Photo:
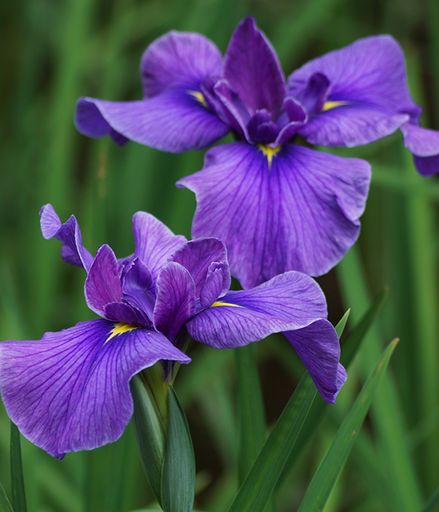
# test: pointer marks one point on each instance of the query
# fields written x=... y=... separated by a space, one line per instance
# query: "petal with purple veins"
x=289 y=208
x=70 y=391
x=288 y=301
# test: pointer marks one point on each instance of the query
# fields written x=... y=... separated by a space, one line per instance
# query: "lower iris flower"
x=69 y=391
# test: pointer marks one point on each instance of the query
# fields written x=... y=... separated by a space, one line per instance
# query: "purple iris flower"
x=69 y=391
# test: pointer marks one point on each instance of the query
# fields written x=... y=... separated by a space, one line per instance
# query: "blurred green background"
x=54 y=51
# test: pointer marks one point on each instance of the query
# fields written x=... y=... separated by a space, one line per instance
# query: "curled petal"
x=68 y=234
x=175 y=302
x=424 y=145
x=179 y=59
x=279 y=209
x=197 y=255
x=103 y=285
x=216 y=284
x=253 y=70
x=318 y=347
x=154 y=243
x=288 y=301
x=70 y=391
x=173 y=121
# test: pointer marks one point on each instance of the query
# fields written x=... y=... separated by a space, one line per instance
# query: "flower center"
x=269 y=152
x=199 y=96
x=329 y=105
x=120 y=328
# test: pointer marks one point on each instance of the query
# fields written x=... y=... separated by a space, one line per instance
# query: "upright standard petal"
x=70 y=390
x=318 y=347
x=69 y=234
x=288 y=301
x=103 y=285
x=253 y=70
x=154 y=243
x=175 y=302
x=198 y=255
x=174 y=121
x=424 y=145
x=179 y=59
x=279 y=209
x=366 y=96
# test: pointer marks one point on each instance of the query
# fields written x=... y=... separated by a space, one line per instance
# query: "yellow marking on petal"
x=120 y=328
x=269 y=152
x=221 y=303
x=199 y=96
x=329 y=105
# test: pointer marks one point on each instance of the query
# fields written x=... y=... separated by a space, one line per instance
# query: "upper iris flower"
x=69 y=391
x=277 y=206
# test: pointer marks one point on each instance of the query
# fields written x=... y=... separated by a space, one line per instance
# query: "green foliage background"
x=54 y=51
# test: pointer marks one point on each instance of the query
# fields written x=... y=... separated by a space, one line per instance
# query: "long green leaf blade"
x=5 y=504
x=17 y=480
x=178 y=483
x=262 y=479
x=326 y=475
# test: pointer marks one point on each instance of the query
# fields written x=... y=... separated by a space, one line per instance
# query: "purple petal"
x=288 y=301
x=175 y=302
x=173 y=121
x=154 y=242
x=318 y=347
x=70 y=390
x=253 y=70
x=179 y=59
x=232 y=109
x=69 y=234
x=370 y=76
x=301 y=212
x=138 y=287
x=424 y=145
x=103 y=285
x=197 y=255
x=427 y=165
x=216 y=284
x=125 y=313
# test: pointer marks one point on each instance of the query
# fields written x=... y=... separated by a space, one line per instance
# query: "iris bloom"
x=69 y=391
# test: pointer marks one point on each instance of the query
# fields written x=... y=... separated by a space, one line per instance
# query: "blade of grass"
x=386 y=410
x=261 y=481
x=329 y=469
x=17 y=480
x=5 y=504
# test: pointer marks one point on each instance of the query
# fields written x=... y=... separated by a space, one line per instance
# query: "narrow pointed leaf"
x=262 y=478
x=150 y=431
x=340 y=327
x=17 y=480
x=178 y=481
x=327 y=473
x=5 y=504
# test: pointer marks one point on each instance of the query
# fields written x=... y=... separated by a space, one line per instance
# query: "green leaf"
x=262 y=478
x=148 y=393
x=178 y=481
x=433 y=503
x=340 y=327
x=17 y=480
x=326 y=475
x=5 y=504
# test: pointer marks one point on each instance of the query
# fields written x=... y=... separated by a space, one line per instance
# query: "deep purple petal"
x=138 y=287
x=197 y=255
x=370 y=76
x=175 y=302
x=179 y=59
x=125 y=313
x=318 y=347
x=423 y=143
x=427 y=165
x=216 y=284
x=103 y=285
x=299 y=213
x=70 y=390
x=232 y=109
x=68 y=234
x=288 y=301
x=173 y=121
x=253 y=70
x=154 y=243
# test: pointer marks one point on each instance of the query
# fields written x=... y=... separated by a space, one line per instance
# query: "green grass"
x=54 y=52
